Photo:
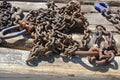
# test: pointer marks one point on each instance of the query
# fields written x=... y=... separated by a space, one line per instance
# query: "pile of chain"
x=9 y=15
x=51 y=29
x=52 y=26
x=65 y=19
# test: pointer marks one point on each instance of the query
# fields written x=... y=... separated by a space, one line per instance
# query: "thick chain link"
x=105 y=45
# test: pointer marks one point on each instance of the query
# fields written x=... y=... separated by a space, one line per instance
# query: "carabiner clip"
x=4 y=35
x=102 y=8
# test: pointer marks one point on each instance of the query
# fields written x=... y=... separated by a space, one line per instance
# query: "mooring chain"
x=102 y=58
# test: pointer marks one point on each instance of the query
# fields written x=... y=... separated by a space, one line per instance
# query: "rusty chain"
x=52 y=26
x=51 y=29
x=101 y=41
x=115 y=20
x=9 y=15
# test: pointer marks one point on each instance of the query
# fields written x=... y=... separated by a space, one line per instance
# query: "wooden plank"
x=13 y=60
x=91 y=9
x=110 y=2
x=91 y=2
x=31 y=6
x=97 y=19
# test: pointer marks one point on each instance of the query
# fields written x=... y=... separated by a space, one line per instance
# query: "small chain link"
x=115 y=20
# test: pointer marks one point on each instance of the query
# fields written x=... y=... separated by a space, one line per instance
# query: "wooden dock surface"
x=13 y=60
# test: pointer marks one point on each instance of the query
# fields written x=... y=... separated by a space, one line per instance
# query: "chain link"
x=115 y=20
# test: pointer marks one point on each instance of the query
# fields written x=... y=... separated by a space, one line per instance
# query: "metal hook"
x=3 y=34
x=102 y=7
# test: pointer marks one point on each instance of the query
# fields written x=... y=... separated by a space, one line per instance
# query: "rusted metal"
x=9 y=15
x=105 y=43
x=26 y=25
x=52 y=26
x=85 y=53
x=51 y=35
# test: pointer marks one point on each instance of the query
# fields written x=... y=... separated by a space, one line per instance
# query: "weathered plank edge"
x=84 y=2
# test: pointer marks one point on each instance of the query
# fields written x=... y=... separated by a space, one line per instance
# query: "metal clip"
x=5 y=35
x=102 y=7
